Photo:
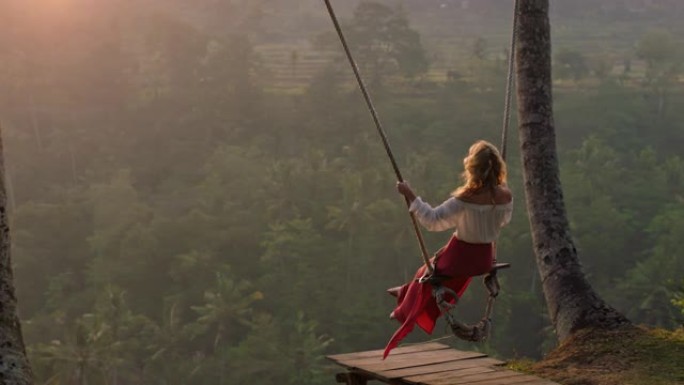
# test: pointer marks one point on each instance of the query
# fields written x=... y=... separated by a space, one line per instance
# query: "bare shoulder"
x=503 y=195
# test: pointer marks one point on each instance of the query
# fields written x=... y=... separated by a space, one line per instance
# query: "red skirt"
x=415 y=304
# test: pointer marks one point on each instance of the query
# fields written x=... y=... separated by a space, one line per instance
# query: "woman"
x=476 y=211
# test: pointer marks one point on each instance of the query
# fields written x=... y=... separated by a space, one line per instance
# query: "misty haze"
x=196 y=192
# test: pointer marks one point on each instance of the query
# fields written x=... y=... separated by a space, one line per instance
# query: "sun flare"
x=52 y=12
x=56 y=7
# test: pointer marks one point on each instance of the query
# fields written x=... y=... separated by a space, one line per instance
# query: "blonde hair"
x=484 y=169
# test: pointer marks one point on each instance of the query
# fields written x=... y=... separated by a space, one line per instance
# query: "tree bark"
x=14 y=366
x=572 y=302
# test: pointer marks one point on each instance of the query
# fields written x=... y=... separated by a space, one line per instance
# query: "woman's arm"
x=440 y=218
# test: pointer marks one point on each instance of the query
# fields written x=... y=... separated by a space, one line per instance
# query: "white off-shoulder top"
x=472 y=223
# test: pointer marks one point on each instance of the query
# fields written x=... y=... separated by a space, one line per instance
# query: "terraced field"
x=290 y=67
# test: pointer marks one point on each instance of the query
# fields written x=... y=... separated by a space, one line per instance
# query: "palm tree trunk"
x=572 y=302
x=14 y=366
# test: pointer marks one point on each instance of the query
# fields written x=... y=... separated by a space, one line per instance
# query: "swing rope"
x=381 y=131
x=481 y=330
x=509 y=83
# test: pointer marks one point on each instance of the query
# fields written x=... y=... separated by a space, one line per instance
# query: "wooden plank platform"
x=429 y=364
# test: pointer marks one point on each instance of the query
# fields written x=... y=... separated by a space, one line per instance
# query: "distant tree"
x=294 y=61
x=227 y=309
x=602 y=66
x=653 y=283
x=572 y=302
x=571 y=64
x=75 y=357
x=383 y=42
x=479 y=49
x=600 y=222
x=383 y=35
x=664 y=59
x=294 y=353
x=679 y=299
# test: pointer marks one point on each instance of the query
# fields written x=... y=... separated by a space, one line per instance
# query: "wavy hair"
x=484 y=169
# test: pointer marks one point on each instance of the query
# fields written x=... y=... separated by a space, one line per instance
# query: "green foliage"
x=298 y=361
x=226 y=308
x=177 y=221
x=653 y=281
x=678 y=301
x=384 y=42
x=664 y=58
x=108 y=343
x=663 y=55
x=570 y=64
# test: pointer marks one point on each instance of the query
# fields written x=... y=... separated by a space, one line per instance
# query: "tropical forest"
x=195 y=191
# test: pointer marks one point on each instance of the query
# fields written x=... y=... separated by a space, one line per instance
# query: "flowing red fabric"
x=415 y=305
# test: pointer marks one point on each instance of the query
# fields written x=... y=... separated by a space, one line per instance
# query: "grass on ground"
x=628 y=356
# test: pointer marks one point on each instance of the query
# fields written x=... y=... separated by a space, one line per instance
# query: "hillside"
x=283 y=31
